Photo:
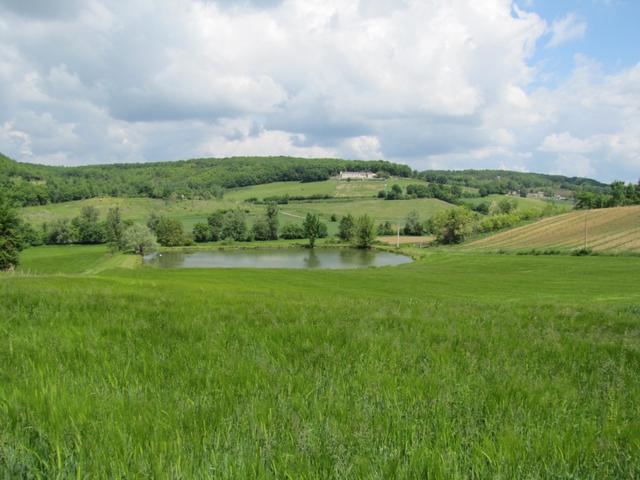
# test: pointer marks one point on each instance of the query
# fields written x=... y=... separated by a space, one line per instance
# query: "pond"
x=332 y=258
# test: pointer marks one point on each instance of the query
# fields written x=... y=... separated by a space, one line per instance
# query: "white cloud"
x=567 y=29
x=444 y=83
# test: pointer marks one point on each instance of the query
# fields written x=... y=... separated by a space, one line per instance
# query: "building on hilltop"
x=357 y=175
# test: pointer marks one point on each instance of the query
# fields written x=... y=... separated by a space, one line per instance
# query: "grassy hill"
x=355 y=198
x=607 y=230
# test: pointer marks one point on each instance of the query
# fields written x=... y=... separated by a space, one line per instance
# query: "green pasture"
x=454 y=366
x=192 y=211
x=332 y=187
x=522 y=203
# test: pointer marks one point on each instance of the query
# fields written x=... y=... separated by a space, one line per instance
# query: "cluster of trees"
x=11 y=236
x=454 y=225
x=232 y=225
x=502 y=182
x=360 y=231
x=86 y=228
x=284 y=199
x=31 y=184
x=447 y=193
x=620 y=195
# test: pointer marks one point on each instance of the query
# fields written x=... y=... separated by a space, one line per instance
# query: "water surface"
x=332 y=258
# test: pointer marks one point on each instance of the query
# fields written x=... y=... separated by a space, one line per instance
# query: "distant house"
x=357 y=175
x=536 y=195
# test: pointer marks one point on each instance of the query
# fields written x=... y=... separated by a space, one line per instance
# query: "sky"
x=548 y=86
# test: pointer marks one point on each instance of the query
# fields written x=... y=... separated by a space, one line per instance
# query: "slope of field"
x=192 y=211
x=332 y=187
x=607 y=230
x=461 y=366
x=522 y=203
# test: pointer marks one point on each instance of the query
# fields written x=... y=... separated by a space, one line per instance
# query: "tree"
x=216 y=223
x=234 y=225
x=272 y=220
x=312 y=228
x=385 y=228
x=10 y=239
x=292 y=231
x=261 y=229
x=506 y=205
x=153 y=221
x=452 y=225
x=169 y=232
x=618 y=194
x=88 y=229
x=114 y=227
x=138 y=239
x=60 y=232
x=395 y=193
x=345 y=228
x=365 y=233
x=413 y=225
x=202 y=232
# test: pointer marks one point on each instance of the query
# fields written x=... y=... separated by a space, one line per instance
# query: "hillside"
x=202 y=178
x=205 y=178
x=607 y=230
x=504 y=181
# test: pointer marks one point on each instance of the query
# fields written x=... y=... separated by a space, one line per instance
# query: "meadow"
x=355 y=198
x=459 y=365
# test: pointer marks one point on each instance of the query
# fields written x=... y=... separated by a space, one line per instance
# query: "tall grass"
x=455 y=367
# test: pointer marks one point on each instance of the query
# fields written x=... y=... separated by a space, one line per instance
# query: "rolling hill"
x=607 y=230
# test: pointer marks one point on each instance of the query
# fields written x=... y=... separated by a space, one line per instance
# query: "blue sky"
x=612 y=35
x=529 y=85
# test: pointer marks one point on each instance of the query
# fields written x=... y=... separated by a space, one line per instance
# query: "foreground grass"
x=456 y=366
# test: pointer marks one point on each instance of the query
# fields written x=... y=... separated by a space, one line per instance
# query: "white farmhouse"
x=357 y=176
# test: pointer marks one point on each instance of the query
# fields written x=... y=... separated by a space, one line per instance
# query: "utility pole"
x=585 y=230
x=398 y=238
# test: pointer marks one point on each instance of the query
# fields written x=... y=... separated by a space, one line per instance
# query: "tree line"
x=620 y=194
x=127 y=236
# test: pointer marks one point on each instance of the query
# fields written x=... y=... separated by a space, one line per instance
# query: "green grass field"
x=350 y=197
x=455 y=366
x=333 y=187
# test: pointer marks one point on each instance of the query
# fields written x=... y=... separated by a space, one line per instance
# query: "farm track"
x=608 y=230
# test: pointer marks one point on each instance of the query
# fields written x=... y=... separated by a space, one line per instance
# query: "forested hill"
x=503 y=181
x=31 y=184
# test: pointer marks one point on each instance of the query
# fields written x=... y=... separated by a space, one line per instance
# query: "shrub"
x=138 y=239
x=202 y=232
x=292 y=231
x=364 y=232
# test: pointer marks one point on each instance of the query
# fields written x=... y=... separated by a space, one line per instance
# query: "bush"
x=138 y=239
x=346 y=228
x=234 y=225
x=202 y=232
x=452 y=225
x=169 y=232
x=260 y=230
x=292 y=231
x=385 y=228
x=364 y=232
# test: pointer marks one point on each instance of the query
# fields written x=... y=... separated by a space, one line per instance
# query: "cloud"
x=430 y=83
x=567 y=29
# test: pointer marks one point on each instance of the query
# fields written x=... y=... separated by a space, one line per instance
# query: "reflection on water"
x=284 y=258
